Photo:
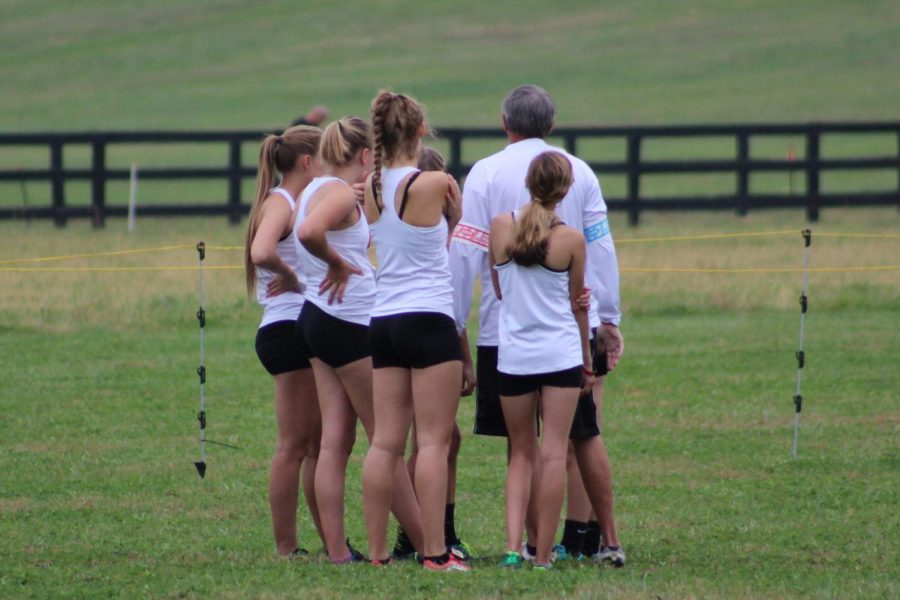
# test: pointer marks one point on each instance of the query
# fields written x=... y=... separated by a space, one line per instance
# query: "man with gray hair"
x=495 y=185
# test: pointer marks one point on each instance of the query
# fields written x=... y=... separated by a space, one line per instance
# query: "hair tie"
x=341 y=128
x=279 y=140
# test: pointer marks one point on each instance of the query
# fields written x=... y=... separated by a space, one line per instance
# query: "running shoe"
x=461 y=550
x=380 y=563
x=299 y=553
x=528 y=556
x=610 y=555
x=540 y=567
x=511 y=560
x=403 y=548
x=560 y=552
x=355 y=555
x=451 y=564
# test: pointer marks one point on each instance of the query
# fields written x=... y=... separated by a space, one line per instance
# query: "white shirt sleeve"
x=602 y=272
x=469 y=248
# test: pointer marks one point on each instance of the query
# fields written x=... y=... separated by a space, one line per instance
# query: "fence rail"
x=633 y=166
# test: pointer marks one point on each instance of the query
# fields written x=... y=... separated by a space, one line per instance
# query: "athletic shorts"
x=333 y=341
x=280 y=349
x=516 y=385
x=413 y=340
x=489 y=413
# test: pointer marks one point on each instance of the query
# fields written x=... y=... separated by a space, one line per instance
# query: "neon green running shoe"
x=511 y=560
x=461 y=550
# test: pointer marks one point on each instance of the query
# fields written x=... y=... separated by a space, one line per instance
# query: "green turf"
x=99 y=396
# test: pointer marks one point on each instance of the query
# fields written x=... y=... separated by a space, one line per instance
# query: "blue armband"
x=596 y=231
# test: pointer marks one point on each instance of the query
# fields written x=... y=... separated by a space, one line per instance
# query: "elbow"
x=260 y=256
x=307 y=234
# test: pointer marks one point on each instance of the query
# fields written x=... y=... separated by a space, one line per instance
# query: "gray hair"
x=528 y=110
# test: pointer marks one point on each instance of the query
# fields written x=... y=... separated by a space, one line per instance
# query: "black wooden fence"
x=632 y=165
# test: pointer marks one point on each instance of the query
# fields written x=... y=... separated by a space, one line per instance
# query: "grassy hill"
x=227 y=64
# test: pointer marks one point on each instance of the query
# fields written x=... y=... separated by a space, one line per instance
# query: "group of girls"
x=345 y=341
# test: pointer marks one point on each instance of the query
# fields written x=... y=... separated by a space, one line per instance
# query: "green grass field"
x=98 y=391
x=99 y=399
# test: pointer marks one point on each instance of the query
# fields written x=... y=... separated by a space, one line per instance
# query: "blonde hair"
x=343 y=139
x=548 y=180
x=278 y=154
x=396 y=119
x=431 y=160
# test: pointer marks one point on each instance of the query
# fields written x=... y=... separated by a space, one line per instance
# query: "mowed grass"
x=99 y=396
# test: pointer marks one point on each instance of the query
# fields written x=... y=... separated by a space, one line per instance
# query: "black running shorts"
x=489 y=414
x=332 y=340
x=413 y=340
x=280 y=349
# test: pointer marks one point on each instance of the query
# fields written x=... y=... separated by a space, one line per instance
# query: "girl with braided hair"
x=416 y=355
x=287 y=163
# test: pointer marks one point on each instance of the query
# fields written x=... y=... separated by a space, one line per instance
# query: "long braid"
x=377 y=129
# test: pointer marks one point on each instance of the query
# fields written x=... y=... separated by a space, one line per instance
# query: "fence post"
x=570 y=143
x=455 y=155
x=98 y=182
x=812 y=175
x=234 y=181
x=743 y=174
x=634 y=178
x=57 y=182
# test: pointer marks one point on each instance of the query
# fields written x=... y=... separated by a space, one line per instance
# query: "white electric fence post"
x=801 y=356
x=132 y=196
x=201 y=370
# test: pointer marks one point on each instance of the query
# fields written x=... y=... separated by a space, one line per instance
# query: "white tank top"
x=353 y=246
x=538 y=332
x=286 y=306
x=413 y=272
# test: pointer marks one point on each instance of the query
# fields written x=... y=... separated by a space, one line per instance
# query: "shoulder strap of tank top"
x=406 y=194
x=285 y=194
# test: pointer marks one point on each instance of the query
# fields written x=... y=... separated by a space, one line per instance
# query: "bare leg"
x=392 y=404
x=518 y=412
x=578 y=506
x=435 y=393
x=338 y=436
x=455 y=443
x=593 y=462
x=309 y=482
x=558 y=411
x=356 y=378
x=297 y=415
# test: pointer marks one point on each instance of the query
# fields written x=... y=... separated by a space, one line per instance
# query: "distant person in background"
x=432 y=160
x=544 y=356
x=287 y=163
x=315 y=116
x=496 y=185
x=334 y=244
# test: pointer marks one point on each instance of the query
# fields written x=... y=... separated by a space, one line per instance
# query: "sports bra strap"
x=406 y=194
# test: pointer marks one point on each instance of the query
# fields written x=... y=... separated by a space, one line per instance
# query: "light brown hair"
x=431 y=160
x=343 y=139
x=278 y=155
x=396 y=119
x=548 y=180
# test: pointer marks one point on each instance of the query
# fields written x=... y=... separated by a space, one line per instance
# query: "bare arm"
x=275 y=219
x=469 y=381
x=576 y=289
x=327 y=216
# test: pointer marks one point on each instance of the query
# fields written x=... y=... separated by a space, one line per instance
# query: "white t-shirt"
x=495 y=185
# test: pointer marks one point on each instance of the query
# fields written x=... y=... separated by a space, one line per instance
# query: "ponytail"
x=278 y=154
x=548 y=180
x=343 y=139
